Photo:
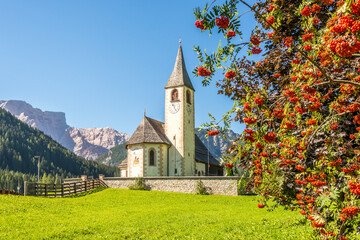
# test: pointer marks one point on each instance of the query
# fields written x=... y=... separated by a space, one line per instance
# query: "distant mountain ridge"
x=100 y=144
x=217 y=144
x=19 y=144
x=89 y=143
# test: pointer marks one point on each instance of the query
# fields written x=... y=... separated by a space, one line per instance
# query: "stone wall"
x=214 y=185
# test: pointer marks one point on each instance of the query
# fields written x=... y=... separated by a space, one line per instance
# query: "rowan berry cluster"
x=230 y=74
x=350 y=211
x=213 y=133
x=222 y=22
x=203 y=72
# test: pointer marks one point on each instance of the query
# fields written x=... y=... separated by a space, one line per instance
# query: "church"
x=171 y=148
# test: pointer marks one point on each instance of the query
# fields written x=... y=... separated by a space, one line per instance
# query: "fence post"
x=45 y=189
x=62 y=189
x=25 y=188
x=85 y=186
x=75 y=187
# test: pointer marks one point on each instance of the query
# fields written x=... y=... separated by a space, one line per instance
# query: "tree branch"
x=338 y=81
x=292 y=44
x=324 y=123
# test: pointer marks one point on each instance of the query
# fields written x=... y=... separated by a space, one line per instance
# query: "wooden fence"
x=60 y=190
x=9 y=192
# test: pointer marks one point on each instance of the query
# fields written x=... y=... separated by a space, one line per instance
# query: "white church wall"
x=135 y=160
x=123 y=173
x=149 y=170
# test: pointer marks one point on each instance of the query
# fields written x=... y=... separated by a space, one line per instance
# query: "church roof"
x=123 y=163
x=179 y=76
x=201 y=153
x=149 y=131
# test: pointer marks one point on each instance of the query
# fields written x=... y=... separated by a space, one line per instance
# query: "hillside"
x=217 y=147
x=19 y=143
x=114 y=157
x=88 y=143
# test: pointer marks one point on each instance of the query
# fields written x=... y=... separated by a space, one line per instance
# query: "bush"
x=138 y=185
x=201 y=189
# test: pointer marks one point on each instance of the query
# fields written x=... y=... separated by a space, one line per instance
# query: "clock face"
x=174 y=107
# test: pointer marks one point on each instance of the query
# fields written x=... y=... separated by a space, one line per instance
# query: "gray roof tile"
x=149 y=131
x=179 y=76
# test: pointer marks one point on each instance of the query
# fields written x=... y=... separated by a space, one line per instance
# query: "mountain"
x=217 y=144
x=89 y=143
x=19 y=143
x=217 y=147
x=115 y=156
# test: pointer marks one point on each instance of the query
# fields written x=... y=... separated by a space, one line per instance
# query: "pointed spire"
x=179 y=76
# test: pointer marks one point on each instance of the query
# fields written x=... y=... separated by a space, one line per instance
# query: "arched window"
x=174 y=95
x=152 y=158
x=188 y=97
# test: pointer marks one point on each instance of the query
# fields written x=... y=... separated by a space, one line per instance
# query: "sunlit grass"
x=125 y=214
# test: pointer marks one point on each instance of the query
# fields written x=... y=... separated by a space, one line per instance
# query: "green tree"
x=300 y=103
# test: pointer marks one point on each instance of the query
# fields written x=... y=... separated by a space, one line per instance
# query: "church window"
x=188 y=97
x=174 y=95
x=152 y=157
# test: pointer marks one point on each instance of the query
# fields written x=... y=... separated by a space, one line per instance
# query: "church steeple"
x=179 y=76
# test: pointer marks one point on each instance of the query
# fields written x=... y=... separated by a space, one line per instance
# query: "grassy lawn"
x=125 y=214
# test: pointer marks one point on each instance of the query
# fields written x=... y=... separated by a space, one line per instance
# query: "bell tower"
x=180 y=120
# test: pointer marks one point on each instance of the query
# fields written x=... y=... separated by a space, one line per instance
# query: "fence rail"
x=60 y=190
x=9 y=192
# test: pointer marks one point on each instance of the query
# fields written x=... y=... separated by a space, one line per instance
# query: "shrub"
x=201 y=189
x=138 y=185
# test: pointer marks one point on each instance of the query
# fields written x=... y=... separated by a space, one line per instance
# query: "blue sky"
x=103 y=62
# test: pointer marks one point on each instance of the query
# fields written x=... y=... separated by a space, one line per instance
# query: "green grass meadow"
x=126 y=214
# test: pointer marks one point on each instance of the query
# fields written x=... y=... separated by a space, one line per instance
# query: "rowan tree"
x=300 y=104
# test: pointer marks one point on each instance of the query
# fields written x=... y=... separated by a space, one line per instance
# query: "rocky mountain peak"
x=88 y=143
